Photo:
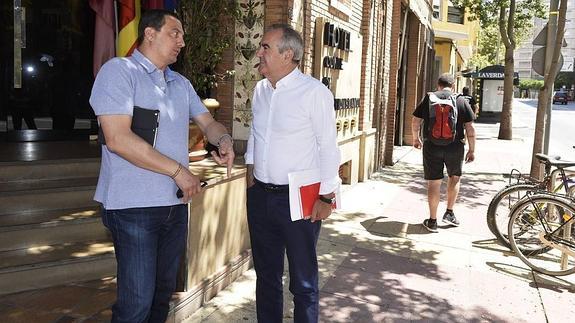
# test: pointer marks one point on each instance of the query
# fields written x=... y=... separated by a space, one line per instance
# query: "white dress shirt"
x=293 y=129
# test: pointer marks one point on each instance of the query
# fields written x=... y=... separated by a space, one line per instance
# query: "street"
x=562 y=137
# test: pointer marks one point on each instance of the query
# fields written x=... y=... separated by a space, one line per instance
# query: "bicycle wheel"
x=499 y=210
x=535 y=223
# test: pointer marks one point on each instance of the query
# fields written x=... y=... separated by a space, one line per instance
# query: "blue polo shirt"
x=121 y=84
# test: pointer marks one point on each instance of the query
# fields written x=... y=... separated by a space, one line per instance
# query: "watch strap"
x=325 y=199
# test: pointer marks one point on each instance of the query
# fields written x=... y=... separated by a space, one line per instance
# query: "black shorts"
x=434 y=157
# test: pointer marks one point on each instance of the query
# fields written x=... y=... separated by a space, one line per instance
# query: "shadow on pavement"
x=492 y=245
x=386 y=296
x=392 y=228
x=474 y=186
x=555 y=284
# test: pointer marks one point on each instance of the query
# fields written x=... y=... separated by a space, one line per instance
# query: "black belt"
x=274 y=188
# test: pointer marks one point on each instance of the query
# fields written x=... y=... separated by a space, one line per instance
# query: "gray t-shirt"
x=121 y=84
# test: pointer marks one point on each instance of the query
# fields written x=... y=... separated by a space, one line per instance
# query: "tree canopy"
x=512 y=18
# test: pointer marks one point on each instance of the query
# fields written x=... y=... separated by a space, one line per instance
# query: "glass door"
x=46 y=69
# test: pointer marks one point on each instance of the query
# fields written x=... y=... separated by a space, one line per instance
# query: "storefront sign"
x=337 y=61
x=336 y=37
x=488 y=75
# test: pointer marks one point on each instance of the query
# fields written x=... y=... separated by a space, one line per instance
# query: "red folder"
x=308 y=195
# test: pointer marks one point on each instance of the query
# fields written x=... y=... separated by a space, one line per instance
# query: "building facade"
x=525 y=51
x=412 y=67
x=455 y=41
x=377 y=58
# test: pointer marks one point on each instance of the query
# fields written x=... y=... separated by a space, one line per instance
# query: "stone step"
x=54 y=265
x=39 y=184
x=20 y=259
x=48 y=169
x=35 y=200
x=51 y=216
x=52 y=232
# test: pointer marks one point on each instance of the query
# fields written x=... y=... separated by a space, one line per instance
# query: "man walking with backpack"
x=442 y=121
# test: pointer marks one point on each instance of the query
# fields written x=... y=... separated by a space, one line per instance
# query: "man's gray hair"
x=290 y=39
x=446 y=80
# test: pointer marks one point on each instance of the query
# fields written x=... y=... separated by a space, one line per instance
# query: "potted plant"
x=208 y=33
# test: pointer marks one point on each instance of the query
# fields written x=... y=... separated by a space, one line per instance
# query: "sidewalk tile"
x=334 y=308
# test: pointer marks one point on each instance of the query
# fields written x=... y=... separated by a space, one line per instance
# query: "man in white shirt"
x=293 y=129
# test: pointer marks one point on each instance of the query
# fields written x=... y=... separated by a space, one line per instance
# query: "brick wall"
x=374 y=20
x=390 y=118
x=414 y=59
x=416 y=77
x=224 y=93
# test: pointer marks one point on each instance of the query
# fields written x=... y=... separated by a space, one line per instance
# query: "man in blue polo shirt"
x=138 y=183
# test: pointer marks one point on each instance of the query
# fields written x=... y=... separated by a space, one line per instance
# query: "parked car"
x=560 y=97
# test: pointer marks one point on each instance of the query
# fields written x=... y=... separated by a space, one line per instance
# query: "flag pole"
x=116 y=22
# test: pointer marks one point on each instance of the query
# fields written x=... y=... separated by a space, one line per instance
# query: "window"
x=344 y=6
x=437 y=9
x=455 y=14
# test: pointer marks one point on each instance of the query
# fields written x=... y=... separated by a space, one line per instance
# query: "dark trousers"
x=272 y=233
x=148 y=244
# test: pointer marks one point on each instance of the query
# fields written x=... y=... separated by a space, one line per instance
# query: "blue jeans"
x=272 y=233
x=148 y=244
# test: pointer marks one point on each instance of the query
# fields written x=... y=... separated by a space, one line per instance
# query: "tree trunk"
x=542 y=103
x=505 y=127
x=546 y=92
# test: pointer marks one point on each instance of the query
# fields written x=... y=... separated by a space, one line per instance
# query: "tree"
x=514 y=17
x=488 y=45
x=546 y=91
x=565 y=79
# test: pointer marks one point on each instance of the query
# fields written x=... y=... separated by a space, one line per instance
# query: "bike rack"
x=554 y=181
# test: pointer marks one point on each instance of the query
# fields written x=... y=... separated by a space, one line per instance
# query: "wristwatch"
x=327 y=200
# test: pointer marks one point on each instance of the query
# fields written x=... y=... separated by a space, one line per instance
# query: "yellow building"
x=455 y=40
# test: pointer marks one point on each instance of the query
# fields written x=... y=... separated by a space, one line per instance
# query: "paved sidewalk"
x=378 y=264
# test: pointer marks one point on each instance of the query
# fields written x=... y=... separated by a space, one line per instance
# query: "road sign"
x=568 y=66
x=538 y=61
x=541 y=38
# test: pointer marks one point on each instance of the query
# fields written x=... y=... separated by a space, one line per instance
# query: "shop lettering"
x=487 y=75
x=333 y=62
x=336 y=37
x=350 y=103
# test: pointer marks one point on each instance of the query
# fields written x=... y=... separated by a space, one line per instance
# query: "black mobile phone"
x=180 y=194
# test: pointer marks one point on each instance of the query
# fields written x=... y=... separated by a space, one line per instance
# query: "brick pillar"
x=415 y=54
x=389 y=122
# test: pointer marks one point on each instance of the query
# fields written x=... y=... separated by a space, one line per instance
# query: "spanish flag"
x=129 y=12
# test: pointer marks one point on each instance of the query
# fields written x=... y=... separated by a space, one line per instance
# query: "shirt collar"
x=288 y=79
x=150 y=67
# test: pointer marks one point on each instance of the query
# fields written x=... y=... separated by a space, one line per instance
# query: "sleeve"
x=249 y=155
x=323 y=123
x=113 y=90
x=421 y=109
x=196 y=105
x=467 y=114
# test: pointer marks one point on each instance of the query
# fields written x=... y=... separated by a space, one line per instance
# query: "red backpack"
x=442 y=118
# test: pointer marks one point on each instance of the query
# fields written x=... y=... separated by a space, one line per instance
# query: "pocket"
x=104 y=216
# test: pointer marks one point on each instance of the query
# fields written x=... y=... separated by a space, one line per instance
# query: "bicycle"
x=544 y=221
x=499 y=208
